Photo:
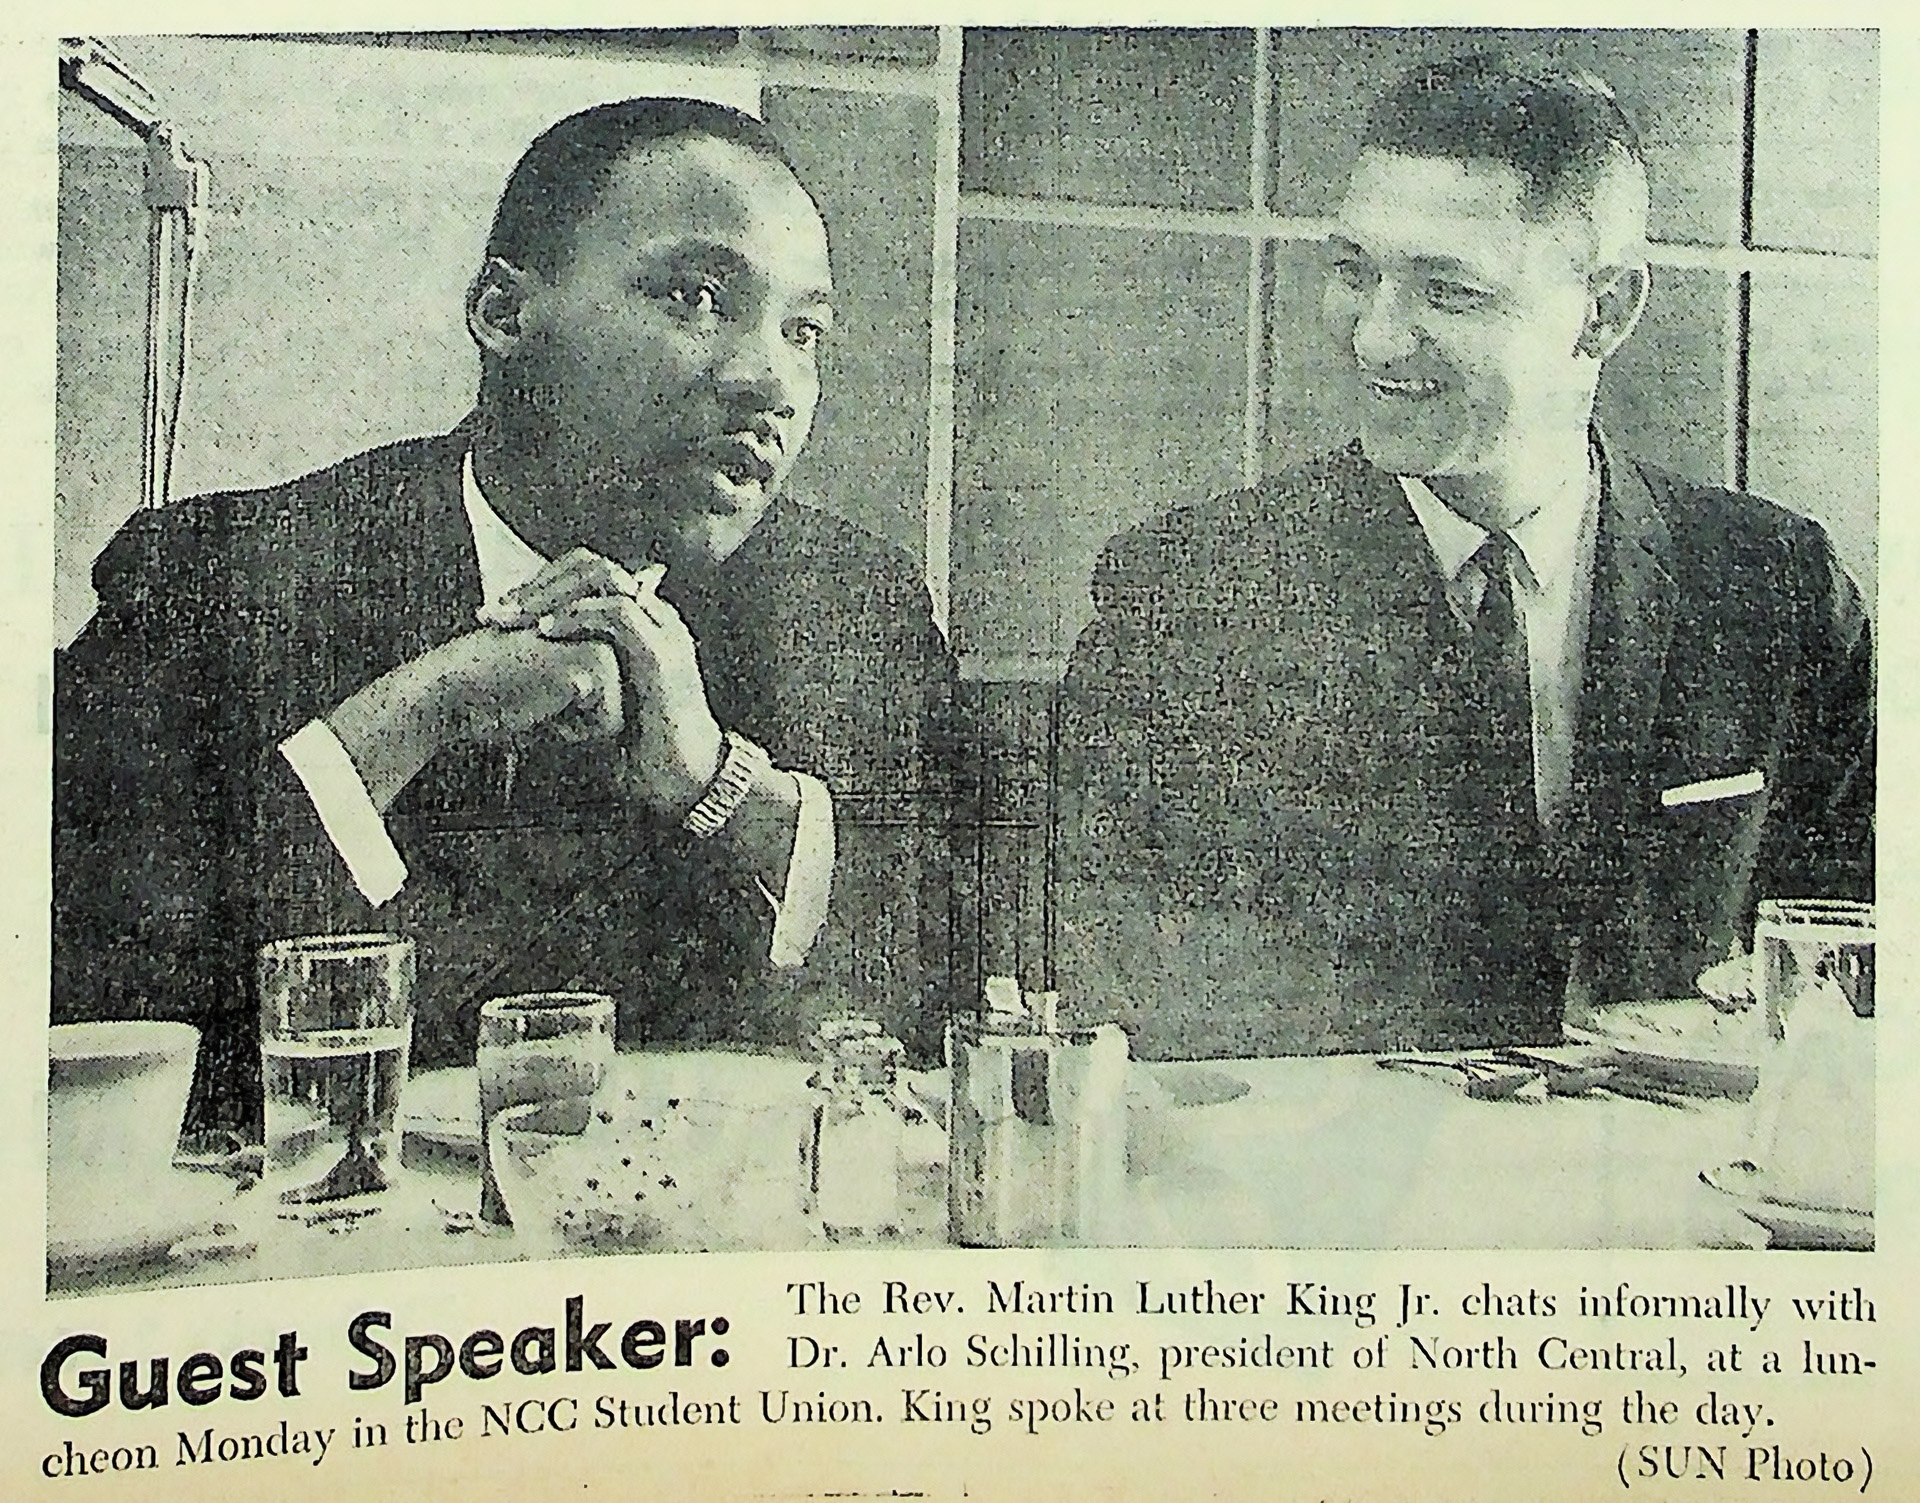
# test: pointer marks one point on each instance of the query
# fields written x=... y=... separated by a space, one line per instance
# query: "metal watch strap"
x=740 y=766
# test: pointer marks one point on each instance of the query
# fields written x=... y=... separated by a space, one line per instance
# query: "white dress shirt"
x=1551 y=575
x=360 y=834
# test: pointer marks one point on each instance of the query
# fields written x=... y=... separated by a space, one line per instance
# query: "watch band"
x=740 y=766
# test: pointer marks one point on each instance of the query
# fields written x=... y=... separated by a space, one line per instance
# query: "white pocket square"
x=1738 y=786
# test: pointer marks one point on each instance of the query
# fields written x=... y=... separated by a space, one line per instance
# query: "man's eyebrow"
x=1448 y=265
x=719 y=256
x=691 y=249
x=1452 y=265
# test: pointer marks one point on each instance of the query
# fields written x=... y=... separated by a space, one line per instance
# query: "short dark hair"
x=560 y=177
x=1559 y=128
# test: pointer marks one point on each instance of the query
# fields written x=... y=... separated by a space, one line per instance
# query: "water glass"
x=1803 y=944
x=535 y=1048
x=335 y=1015
x=1813 y=1112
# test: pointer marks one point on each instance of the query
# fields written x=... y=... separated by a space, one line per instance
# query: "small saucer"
x=1188 y=1084
x=187 y=1203
x=1789 y=1224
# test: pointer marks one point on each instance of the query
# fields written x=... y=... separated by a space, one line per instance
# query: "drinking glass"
x=535 y=1048
x=627 y=1176
x=1807 y=943
x=335 y=1013
x=1813 y=1112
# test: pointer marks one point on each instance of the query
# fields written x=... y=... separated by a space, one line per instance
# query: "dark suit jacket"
x=1263 y=850
x=183 y=841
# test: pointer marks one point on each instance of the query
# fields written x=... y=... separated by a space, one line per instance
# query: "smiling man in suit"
x=1480 y=718
x=565 y=695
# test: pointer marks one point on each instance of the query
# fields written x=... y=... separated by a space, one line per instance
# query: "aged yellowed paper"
x=1063 y=307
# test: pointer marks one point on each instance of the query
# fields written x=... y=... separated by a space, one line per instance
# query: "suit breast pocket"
x=1706 y=839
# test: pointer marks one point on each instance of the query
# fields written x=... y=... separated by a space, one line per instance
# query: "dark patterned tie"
x=1511 y=975
x=1499 y=695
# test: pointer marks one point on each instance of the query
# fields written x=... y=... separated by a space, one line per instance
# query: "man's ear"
x=496 y=300
x=1616 y=295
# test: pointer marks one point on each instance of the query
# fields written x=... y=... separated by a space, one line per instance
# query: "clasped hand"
x=654 y=695
x=584 y=650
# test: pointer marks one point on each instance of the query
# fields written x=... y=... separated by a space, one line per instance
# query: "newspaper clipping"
x=944 y=760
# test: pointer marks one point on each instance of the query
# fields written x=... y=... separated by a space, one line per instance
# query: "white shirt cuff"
x=802 y=906
x=347 y=813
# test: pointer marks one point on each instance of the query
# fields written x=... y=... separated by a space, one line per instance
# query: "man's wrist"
x=686 y=781
x=743 y=768
x=391 y=728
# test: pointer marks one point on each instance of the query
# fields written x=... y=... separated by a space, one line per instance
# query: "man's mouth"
x=1402 y=389
x=741 y=459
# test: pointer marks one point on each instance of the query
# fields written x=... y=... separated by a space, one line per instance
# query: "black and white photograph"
x=746 y=639
x=1129 y=756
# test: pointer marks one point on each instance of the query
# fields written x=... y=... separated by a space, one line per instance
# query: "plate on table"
x=1788 y=1223
x=141 y=1229
x=1184 y=1083
x=1685 y=1043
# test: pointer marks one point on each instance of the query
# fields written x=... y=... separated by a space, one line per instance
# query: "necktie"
x=1510 y=977
x=1498 y=708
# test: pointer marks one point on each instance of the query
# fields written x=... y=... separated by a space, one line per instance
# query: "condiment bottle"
x=854 y=1174
x=825 y=1044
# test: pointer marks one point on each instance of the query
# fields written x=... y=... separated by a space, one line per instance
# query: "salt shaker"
x=825 y=1044
x=852 y=1158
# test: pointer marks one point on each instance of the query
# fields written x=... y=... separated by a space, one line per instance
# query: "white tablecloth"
x=1317 y=1153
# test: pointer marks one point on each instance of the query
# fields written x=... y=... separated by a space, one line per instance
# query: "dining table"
x=1324 y=1152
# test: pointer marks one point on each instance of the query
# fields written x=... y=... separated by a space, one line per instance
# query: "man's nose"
x=759 y=367
x=1384 y=330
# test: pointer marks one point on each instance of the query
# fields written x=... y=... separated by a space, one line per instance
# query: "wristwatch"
x=740 y=766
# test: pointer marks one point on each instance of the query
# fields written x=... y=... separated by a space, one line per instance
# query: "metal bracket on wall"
x=176 y=191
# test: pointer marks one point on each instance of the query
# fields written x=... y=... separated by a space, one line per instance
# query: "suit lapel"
x=1373 y=621
x=1394 y=569
x=1391 y=631
x=433 y=564
x=417 y=545
x=1630 y=627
